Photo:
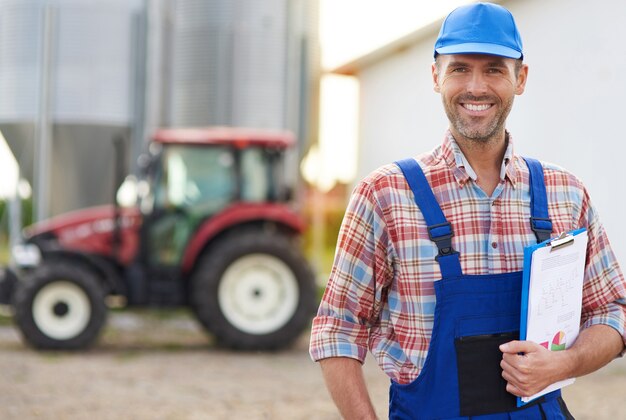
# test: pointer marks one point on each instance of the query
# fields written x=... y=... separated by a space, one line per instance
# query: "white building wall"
x=400 y=114
x=570 y=114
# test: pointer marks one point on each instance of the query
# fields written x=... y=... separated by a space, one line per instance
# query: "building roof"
x=400 y=45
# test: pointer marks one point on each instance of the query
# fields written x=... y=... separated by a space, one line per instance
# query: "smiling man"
x=427 y=273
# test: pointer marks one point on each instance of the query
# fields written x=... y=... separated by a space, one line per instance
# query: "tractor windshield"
x=206 y=179
x=190 y=183
x=199 y=179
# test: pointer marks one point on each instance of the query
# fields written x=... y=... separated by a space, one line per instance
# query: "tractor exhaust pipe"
x=119 y=143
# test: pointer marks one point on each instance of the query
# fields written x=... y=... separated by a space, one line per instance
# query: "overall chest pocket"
x=482 y=389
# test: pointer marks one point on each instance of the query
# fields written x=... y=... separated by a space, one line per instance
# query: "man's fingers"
x=517 y=384
x=512 y=374
x=514 y=390
x=506 y=366
x=518 y=347
x=516 y=364
x=512 y=359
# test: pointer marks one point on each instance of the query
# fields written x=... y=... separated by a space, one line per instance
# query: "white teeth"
x=473 y=107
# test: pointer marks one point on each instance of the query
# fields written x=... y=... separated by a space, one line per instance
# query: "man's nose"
x=477 y=84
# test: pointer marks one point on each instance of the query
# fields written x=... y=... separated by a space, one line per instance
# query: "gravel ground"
x=161 y=365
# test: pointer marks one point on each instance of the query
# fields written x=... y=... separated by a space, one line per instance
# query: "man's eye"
x=494 y=70
x=459 y=70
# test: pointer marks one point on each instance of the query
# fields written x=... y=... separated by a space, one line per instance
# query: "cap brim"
x=479 y=48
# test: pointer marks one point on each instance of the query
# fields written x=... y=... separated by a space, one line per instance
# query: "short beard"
x=480 y=135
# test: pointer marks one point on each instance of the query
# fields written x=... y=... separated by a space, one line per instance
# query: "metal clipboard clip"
x=563 y=240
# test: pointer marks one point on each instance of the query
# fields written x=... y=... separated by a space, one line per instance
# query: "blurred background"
x=349 y=79
x=75 y=73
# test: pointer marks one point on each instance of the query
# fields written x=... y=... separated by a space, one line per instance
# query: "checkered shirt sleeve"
x=360 y=272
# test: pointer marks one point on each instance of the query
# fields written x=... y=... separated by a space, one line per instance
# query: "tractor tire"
x=60 y=306
x=253 y=291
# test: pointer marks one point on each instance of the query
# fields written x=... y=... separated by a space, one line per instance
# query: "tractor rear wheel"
x=60 y=306
x=254 y=291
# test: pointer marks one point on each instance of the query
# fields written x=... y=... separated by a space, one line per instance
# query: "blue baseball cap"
x=480 y=28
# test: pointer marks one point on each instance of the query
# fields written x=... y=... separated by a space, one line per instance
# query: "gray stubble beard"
x=482 y=136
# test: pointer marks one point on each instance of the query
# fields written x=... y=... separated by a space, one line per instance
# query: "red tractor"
x=212 y=229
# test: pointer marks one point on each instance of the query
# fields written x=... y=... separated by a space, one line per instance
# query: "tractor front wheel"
x=60 y=306
x=254 y=291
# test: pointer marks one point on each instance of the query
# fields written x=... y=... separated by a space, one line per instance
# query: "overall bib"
x=461 y=377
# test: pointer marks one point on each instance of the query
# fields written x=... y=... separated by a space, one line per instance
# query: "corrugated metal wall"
x=229 y=63
x=260 y=64
x=20 y=35
x=201 y=55
x=91 y=64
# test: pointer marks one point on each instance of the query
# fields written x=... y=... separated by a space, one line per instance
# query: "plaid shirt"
x=380 y=294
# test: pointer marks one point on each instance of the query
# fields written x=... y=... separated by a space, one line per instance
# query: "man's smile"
x=476 y=107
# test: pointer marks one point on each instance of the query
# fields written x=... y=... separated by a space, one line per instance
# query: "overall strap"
x=540 y=221
x=439 y=229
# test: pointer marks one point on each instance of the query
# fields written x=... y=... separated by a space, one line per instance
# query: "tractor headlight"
x=26 y=255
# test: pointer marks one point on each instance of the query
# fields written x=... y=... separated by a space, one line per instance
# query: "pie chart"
x=558 y=342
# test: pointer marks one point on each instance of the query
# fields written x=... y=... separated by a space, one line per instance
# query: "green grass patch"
x=5 y=252
x=128 y=355
x=6 y=318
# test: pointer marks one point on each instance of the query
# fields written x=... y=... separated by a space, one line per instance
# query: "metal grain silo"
x=68 y=72
x=246 y=63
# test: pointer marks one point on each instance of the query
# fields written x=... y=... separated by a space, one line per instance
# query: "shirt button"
x=494 y=244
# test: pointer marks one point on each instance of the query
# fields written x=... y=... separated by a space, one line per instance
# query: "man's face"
x=477 y=92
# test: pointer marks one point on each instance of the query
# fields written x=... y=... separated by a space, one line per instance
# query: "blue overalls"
x=461 y=377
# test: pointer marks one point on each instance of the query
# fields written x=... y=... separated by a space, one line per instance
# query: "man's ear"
x=522 y=76
x=435 y=73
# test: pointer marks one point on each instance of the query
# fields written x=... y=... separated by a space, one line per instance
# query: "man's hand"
x=528 y=367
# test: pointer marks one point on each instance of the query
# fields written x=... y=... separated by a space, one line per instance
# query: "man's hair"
x=518 y=64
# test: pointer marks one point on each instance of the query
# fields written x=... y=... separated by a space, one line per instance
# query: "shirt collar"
x=463 y=172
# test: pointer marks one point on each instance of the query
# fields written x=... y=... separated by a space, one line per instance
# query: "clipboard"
x=552 y=284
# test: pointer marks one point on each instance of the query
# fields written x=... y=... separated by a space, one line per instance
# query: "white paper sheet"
x=555 y=298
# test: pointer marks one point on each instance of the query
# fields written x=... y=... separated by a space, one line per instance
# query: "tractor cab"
x=192 y=175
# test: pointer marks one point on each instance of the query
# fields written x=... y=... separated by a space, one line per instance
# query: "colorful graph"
x=558 y=342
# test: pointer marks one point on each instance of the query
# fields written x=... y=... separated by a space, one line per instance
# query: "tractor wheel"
x=253 y=291
x=60 y=306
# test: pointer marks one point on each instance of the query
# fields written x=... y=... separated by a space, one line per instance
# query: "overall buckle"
x=441 y=234
x=542 y=226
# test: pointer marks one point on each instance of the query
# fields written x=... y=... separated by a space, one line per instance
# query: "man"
x=427 y=273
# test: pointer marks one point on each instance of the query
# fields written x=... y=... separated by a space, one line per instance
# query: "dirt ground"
x=161 y=365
